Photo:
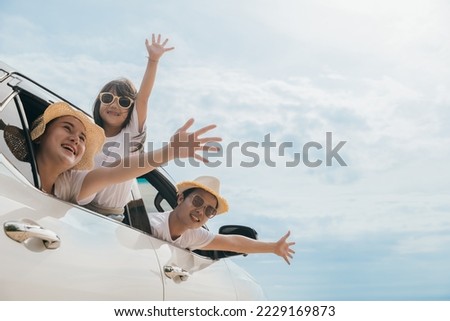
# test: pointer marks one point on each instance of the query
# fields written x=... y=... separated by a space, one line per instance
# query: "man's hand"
x=283 y=248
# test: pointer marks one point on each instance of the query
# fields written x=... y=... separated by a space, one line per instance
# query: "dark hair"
x=188 y=192
x=122 y=87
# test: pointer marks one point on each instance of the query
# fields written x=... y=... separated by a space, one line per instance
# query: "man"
x=198 y=201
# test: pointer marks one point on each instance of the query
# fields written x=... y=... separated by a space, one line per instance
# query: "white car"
x=55 y=250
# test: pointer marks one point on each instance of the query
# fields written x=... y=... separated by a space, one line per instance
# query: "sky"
x=333 y=116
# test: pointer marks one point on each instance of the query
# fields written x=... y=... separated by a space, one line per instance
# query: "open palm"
x=186 y=144
x=156 y=49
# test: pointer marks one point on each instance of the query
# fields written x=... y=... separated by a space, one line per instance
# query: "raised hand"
x=283 y=248
x=184 y=144
x=156 y=49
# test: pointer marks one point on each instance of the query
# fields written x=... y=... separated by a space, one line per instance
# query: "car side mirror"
x=236 y=230
x=239 y=230
x=229 y=230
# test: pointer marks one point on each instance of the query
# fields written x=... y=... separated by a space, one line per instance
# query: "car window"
x=12 y=139
x=153 y=200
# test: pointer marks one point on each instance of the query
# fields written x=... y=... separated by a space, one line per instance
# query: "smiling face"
x=191 y=216
x=63 y=142
x=112 y=114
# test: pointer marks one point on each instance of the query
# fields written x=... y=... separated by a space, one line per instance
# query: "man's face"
x=193 y=216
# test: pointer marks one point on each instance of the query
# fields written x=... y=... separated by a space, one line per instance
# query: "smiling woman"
x=65 y=142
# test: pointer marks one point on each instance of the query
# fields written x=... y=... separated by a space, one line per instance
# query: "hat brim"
x=95 y=135
x=222 y=204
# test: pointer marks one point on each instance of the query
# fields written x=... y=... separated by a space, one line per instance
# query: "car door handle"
x=176 y=273
x=22 y=231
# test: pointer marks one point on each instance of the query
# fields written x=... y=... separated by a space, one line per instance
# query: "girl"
x=122 y=111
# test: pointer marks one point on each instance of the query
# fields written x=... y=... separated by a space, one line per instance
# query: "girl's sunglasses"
x=108 y=98
x=197 y=201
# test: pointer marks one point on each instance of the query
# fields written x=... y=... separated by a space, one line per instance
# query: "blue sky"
x=373 y=73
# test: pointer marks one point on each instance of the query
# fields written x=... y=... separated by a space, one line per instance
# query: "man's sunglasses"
x=198 y=202
x=108 y=98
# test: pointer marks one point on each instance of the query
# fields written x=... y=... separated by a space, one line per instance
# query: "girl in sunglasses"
x=121 y=111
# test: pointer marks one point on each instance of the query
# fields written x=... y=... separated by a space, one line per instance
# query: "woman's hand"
x=184 y=144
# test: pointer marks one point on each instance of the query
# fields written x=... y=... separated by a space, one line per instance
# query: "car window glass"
x=150 y=196
x=12 y=130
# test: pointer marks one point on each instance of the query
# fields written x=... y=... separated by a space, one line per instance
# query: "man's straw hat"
x=211 y=185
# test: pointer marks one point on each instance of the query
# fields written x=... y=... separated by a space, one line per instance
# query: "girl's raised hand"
x=156 y=49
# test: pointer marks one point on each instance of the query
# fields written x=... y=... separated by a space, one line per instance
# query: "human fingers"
x=287 y=260
x=284 y=238
x=186 y=125
x=205 y=129
x=206 y=140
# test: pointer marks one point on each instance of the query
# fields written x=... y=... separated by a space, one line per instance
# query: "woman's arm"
x=183 y=144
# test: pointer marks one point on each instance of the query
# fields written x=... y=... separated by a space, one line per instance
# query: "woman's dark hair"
x=122 y=87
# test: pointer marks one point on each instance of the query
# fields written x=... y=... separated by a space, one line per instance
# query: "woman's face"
x=64 y=141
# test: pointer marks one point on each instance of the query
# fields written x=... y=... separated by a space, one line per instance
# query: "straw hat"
x=15 y=140
x=95 y=136
x=211 y=185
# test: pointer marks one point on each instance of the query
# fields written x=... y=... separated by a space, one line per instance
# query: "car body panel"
x=97 y=258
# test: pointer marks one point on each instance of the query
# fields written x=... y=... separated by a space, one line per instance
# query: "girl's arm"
x=242 y=244
x=183 y=144
x=155 y=50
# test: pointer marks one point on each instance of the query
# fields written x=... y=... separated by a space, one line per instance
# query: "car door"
x=187 y=275
x=54 y=250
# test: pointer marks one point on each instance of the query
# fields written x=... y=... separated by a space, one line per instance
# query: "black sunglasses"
x=108 y=98
x=197 y=201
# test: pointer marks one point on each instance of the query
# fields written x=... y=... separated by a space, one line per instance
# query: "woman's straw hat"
x=211 y=185
x=15 y=140
x=95 y=136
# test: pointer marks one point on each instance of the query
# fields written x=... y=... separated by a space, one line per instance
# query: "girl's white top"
x=113 y=198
